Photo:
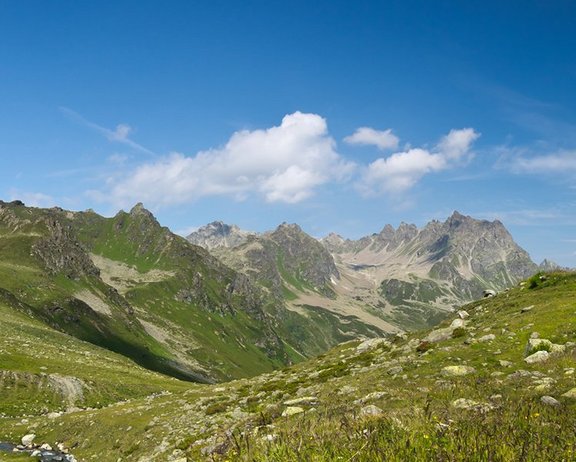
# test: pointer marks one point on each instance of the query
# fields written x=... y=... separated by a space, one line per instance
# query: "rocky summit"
x=218 y=234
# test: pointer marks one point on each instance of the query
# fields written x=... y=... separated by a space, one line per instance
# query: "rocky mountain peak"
x=140 y=210
x=219 y=234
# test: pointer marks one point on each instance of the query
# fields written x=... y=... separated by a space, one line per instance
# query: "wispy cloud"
x=120 y=134
x=560 y=162
x=402 y=170
x=528 y=217
x=32 y=199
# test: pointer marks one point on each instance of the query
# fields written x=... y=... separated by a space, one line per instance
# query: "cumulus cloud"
x=368 y=136
x=284 y=163
x=402 y=170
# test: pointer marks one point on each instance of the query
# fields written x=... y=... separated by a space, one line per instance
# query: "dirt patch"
x=94 y=302
x=124 y=277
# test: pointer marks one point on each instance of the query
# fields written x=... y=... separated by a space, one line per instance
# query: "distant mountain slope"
x=130 y=285
x=401 y=278
x=296 y=269
x=416 y=271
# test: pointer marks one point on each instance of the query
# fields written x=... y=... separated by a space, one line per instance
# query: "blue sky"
x=338 y=115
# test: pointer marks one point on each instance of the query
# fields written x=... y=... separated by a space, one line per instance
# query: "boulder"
x=457 y=371
x=463 y=314
x=304 y=400
x=538 y=357
x=487 y=338
x=27 y=440
x=292 y=410
x=570 y=394
x=371 y=411
x=371 y=344
x=550 y=401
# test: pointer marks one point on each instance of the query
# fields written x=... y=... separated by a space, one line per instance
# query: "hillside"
x=497 y=378
x=131 y=286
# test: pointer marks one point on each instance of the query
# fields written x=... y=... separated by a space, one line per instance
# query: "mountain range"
x=396 y=279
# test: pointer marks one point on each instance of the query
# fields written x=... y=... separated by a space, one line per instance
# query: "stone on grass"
x=395 y=370
x=464 y=403
x=457 y=371
x=487 y=338
x=305 y=400
x=371 y=344
x=549 y=401
x=458 y=322
x=463 y=314
x=371 y=411
x=28 y=439
x=538 y=357
x=570 y=394
x=292 y=410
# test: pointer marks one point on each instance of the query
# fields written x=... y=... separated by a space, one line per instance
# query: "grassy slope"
x=242 y=420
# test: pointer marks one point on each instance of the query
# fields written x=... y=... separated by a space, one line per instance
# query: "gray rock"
x=28 y=439
x=371 y=411
x=395 y=370
x=538 y=357
x=487 y=338
x=371 y=344
x=463 y=314
x=550 y=401
x=457 y=371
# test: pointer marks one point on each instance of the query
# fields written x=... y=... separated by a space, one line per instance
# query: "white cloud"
x=402 y=170
x=368 y=136
x=285 y=163
x=32 y=199
x=562 y=162
x=120 y=134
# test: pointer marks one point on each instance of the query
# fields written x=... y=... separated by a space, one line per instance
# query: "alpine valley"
x=115 y=332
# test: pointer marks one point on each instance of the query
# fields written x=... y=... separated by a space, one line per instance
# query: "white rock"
x=463 y=314
x=371 y=344
x=487 y=338
x=28 y=439
x=538 y=357
x=459 y=322
x=292 y=410
x=457 y=371
x=309 y=400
